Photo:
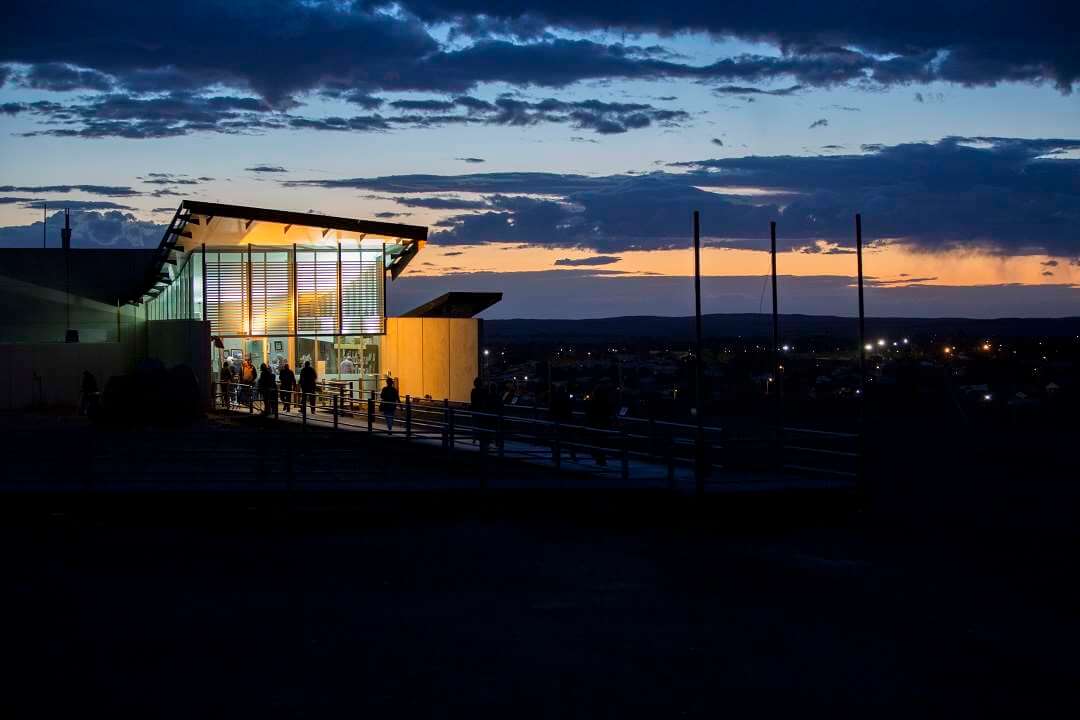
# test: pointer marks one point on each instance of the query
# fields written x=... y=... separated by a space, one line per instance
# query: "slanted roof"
x=456 y=305
x=205 y=212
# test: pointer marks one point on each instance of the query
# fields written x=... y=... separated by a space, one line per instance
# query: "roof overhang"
x=456 y=305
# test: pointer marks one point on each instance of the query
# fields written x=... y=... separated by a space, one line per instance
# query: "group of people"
x=244 y=386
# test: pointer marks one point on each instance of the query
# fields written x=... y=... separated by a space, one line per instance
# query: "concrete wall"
x=51 y=373
x=432 y=356
x=181 y=342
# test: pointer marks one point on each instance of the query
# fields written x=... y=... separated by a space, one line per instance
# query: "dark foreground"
x=931 y=600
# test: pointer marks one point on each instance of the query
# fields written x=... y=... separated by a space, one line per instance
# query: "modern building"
x=229 y=282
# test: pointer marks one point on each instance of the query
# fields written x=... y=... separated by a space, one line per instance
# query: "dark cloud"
x=743 y=90
x=161 y=116
x=251 y=63
x=588 y=261
x=1048 y=273
x=957 y=42
x=471 y=160
x=1008 y=195
x=821 y=122
x=78 y=204
x=266 y=169
x=453 y=253
x=387 y=214
x=106 y=190
x=443 y=203
x=1050 y=263
x=5 y=73
x=60 y=77
x=8 y=200
x=110 y=228
x=718 y=142
x=423 y=105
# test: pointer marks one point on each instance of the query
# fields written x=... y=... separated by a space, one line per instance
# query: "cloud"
x=266 y=169
x=386 y=214
x=588 y=261
x=442 y=203
x=957 y=45
x=106 y=190
x=822 y=122
x=471 y=160
x=271 y=54
x=90 y=228
x=1008 y=195
x=745 y=90
x=1050 y=263
x=76 y=204
x=717 y=141
x=181 y=113
x=60 y=77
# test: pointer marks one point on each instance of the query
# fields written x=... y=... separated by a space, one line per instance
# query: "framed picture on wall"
x=279 y=346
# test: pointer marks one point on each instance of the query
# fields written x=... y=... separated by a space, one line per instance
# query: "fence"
x=623 y=445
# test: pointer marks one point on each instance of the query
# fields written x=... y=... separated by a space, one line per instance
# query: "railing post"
x=408 y=417
x=499 y=440
x=450 y=426
x=556 y=446
x=303 y=409
x=371 y=414
x=445 y=424
x=251 y=398
x=670 y=453
x=624 y=443
x=334 y=409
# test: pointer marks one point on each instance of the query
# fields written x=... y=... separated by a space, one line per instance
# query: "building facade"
x=277 y=287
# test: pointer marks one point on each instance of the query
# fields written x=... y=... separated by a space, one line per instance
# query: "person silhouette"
x=388 y=406
x=308 y=376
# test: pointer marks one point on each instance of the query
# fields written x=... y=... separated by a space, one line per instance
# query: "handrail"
x=509 y=434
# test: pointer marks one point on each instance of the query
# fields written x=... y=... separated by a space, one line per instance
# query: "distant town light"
x=486 y=351
x=986 y=346
x=948 y=350
x=785 y=348
x=881 y=342
x=869 y=346
x=905 y=341
x=988 y=397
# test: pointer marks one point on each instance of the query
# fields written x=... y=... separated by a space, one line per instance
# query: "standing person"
x=478 y=403
x=388 y=407
x=247 y=381
x=225 y=378
x=288 y=384
x=88 y=392
x=562 y=412
x=268 y=390
x=307 y=385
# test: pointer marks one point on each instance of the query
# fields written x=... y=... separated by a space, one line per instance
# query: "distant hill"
x=760 y=325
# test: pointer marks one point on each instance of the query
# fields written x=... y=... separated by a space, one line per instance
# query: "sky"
x=556 y=150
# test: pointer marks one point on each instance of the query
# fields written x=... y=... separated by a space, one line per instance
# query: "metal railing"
x=619 y=445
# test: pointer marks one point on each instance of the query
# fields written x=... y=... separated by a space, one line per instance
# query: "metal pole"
x=778 y=384
x=408 y=417
x=862 y=313
x=44 y=224
x=699 y=445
